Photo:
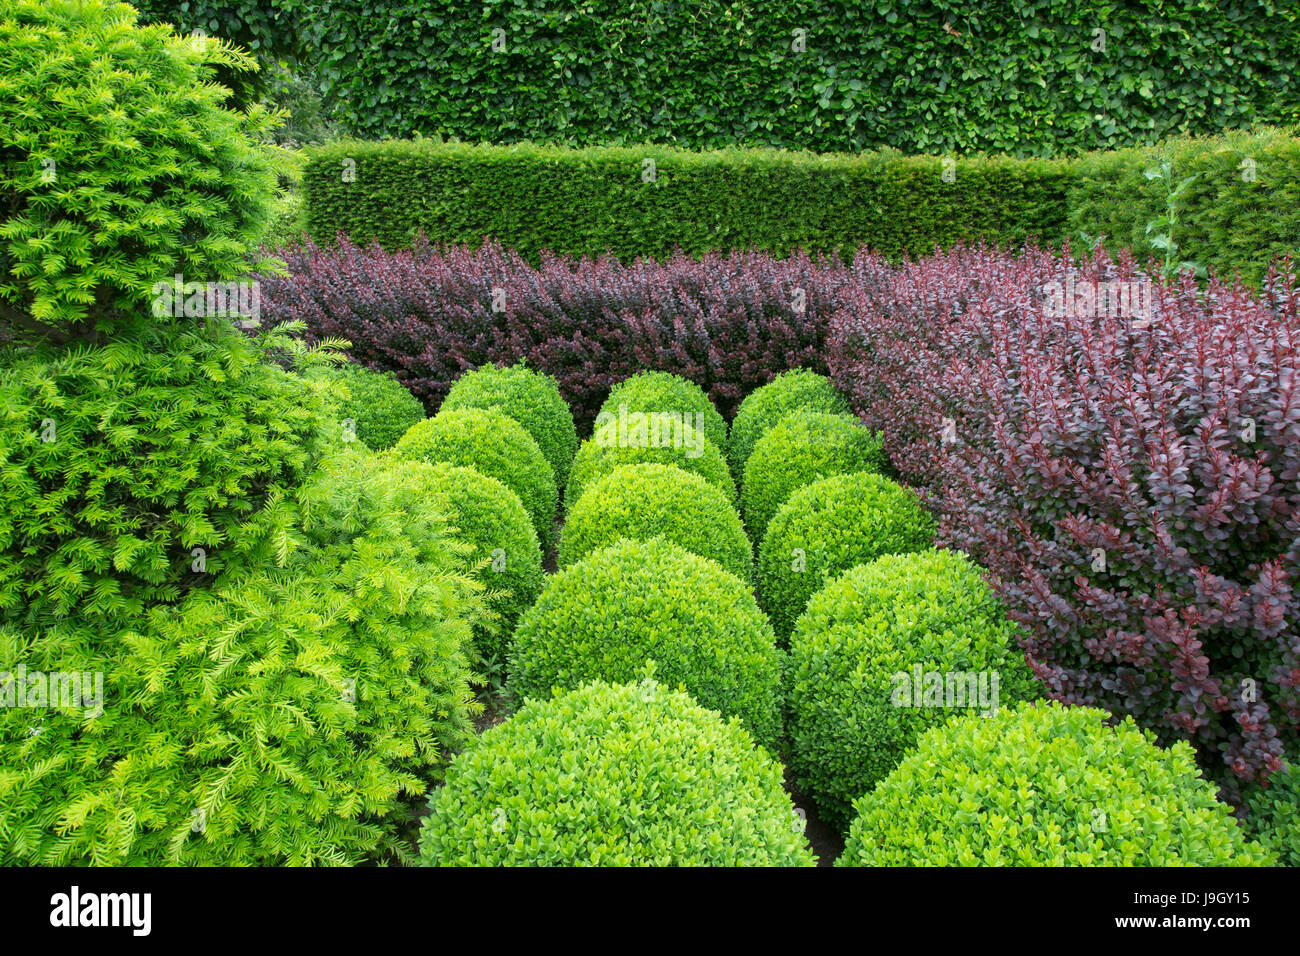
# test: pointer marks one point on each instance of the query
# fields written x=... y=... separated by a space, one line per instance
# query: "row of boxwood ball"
x=664 y=670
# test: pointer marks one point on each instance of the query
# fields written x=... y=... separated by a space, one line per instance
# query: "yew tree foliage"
x=285 y=716
x=277 y=639
x=120 y=166
x=118 y=461
x=1131 y=483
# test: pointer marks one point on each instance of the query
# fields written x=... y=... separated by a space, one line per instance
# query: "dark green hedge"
x=1227 y=220
x=589 y=201
x=1017 y=76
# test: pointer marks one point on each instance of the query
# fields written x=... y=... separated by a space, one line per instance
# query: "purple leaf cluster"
x=730 y=323
x=1123 y=456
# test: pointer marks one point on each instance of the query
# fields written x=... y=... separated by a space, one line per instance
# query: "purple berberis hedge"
x=1123 y=456
x=730 y=323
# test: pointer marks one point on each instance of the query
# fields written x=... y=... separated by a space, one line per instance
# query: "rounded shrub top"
x=625 y=775
x=497 y=446
x=799 y=389
x=604 y=617
x=378 y=406
x=829 y=526
x=489 y=516
x=650 y=500
x=664 y=393
x=123 y=168
x=681 y=445
x=1043 y=784
x=883 y=652
x=532 y=399
x=800 y=448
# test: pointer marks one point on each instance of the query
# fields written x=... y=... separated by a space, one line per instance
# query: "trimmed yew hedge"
x=1241 y=211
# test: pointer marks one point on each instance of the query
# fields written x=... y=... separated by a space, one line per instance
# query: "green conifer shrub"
x=282 y=717
x=883 y=652
x=652 y=391
x=632 y=774
x=1044 y=784
x=495 y=445
x=652 y=500
x=802 y=447
x=120 y=167
x=124 y=466
x=531 y=398
x=827 y=527
x=795 y=390
x=604 y=617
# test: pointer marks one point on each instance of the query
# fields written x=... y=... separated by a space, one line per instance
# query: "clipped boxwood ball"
x=495 y=445
x=884 y=652
x=1273 y=814
x=801 y=448
x=828 y=527
x=647 y=501
x=799 y=389
x=664 y=392
x=489 y=516
x=611 y=447
x=1043 y=784
x=532 y=399
x=604 y=617
x=378 y=405
x=624 y=775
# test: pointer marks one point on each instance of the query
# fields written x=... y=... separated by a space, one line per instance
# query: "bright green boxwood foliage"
x=1273 y=814
x=827 y=527
x=293 y=713
x=379 y=407
x=651 y=392
x=1009 y=75
x=603 y=452
x=531 y=398
x=799 y=389
x=495 y=445
x=117 y=462
x=602 y=618
x=120 y=167
x=649 y=501
x=1046 y=785
x=801 y=448
x=486 y=514
x=854 y=706
x=626 y=775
